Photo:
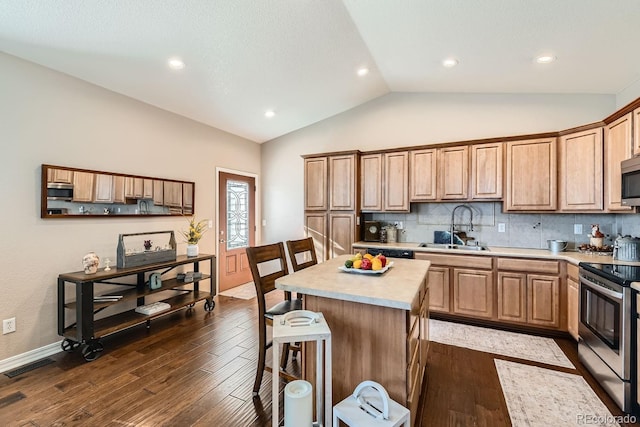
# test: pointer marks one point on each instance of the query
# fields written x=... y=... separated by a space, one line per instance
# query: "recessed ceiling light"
x=363 y=71
x=269 y=113
x=545 y=59
x=175 y=63
x=450 y=62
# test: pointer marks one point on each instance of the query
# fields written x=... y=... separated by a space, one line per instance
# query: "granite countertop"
x=398 y=287
x=573 y=257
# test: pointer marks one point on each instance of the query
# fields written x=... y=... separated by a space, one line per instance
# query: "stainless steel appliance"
x=626 y=248
x=59 y=191
x=392 y=253
x=631 y=181
x=606 y=329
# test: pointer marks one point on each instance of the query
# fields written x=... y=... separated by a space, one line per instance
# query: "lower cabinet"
x=473 y=293
x=439 y=289
x=333 y=233
x=573 y=300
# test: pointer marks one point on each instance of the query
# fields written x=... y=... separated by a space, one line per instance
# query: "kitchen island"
x=379 y=325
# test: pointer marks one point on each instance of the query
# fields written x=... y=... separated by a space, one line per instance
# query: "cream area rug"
x=246 y=291
x=520 y=346
x=538 y=397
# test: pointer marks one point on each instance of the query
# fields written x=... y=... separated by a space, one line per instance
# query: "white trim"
x=30 y=356
x=258 y=219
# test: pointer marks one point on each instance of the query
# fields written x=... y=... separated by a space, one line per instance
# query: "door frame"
x=257 y=211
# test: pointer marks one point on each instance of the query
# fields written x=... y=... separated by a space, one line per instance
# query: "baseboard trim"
x=30 y=356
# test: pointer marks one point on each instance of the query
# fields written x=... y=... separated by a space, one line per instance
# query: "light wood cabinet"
x=83 y=186
x=487 y=166
x=133 y=187
x=118 y=189
x=453 y=173
x=172 y=194
x=384 y=179
x=423 y=179
x=341 y=233
x=147 y=188
x=104 y=190
x=580 y=171
x=343 y=182
x=315 y=183
x=636 y=132
x=531 y=175
x=573 y=300
x=62 y=176
x=473 y=293
x=529 y=291
x=315 y=224
x=187 y=198
x=158 y=192
x=439 y=289
x=617 y=147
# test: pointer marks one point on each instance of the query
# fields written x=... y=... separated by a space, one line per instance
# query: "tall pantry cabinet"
x=331 y=202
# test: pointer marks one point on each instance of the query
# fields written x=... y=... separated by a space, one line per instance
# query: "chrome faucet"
x=453 y=213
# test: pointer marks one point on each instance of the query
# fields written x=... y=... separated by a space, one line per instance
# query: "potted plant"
x=193 y=235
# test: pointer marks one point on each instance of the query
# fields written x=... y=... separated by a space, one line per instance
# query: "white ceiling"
x=299 y=57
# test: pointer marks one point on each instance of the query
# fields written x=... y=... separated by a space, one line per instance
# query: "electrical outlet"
x=577 y=228
x=8 y=326
x=399 y=225
x=502 y=227
x=210 y=223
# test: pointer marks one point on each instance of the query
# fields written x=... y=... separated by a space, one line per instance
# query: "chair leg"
x=262 y=353
x=285 y=356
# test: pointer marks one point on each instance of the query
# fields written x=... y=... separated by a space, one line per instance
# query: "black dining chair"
x=267 y=264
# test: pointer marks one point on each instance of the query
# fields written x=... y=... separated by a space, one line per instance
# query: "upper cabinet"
x=315 y=184
x=62 y=176
x=636 y=132
x=424 y=169
x=453 y=173
x=83 y=187
x=385 y=182
x=487 y=166
x=343 y=182
x=617 y=147
x=531 y=175
x=103 y=192
x=580 y=170
x=187 y=198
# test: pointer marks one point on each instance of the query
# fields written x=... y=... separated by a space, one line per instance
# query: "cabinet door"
x=341 y=234
x=453 y=173
x=371 y=176
x=473 y=293
x=512 y=296
x=543 y=300
x=187 y=198
x=396 y=181
x=423 y=168
x=342 y=182
x=158 y=192
x=439 y=289
x=581 y=171
x=315 y=224
x=83 y=187
x=103 y=188
x=173 y=194
x=617 y=147
x=138 y=188
x=129 y=191
x=636 y=132
x=573 y=301
x=315 y=184
x=531 y=175
x=118 y=189
x=60 y=175
x=487 y=162
x=147 y=188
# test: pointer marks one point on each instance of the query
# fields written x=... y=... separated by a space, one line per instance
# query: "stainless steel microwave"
x=630 y=169
x=59 y=191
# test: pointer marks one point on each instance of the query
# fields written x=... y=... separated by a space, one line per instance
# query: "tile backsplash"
x=524 y=230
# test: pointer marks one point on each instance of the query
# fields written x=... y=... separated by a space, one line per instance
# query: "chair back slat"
x=262 y=265
x=306 y=249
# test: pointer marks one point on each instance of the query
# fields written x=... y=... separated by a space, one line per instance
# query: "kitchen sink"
x=453 y=247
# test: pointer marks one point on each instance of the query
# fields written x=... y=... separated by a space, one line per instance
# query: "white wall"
x=407 y=119
x=628 y=94
x=49 y=117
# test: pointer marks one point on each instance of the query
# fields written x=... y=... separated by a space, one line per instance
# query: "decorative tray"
x=360 y=271
x=607 y=250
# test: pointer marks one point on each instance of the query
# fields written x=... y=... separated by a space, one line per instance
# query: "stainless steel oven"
x=605 y=329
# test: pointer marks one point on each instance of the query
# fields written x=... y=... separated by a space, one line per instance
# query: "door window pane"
x=237 y=215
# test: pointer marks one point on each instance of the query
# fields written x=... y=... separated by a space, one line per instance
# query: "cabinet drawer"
x=466 y=261
x=529 y=265
x=572 y=271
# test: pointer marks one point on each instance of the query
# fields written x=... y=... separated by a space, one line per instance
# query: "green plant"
x=196 y=229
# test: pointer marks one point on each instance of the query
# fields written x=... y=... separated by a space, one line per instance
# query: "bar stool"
x=358 y=410
x=305 y=248
x=305 y=326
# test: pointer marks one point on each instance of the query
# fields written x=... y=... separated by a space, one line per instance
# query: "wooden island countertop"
x=379 y=325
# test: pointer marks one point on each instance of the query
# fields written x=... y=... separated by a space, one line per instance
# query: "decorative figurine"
x=147 y=245
x=107 y=263
x=596 y=238
x=90 y=262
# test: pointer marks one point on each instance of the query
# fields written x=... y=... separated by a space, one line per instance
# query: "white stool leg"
x=328 y=396
x=319 y=384
x=275 y=380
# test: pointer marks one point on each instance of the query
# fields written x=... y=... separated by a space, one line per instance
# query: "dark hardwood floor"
x=197 y=368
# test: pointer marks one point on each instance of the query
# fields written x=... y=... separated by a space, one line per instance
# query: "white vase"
x=90 y=263
x=192 y=250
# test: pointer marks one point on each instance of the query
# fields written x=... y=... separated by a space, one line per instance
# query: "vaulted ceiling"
x=299 y=58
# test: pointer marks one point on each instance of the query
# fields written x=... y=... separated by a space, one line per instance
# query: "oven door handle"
x=601 y=289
